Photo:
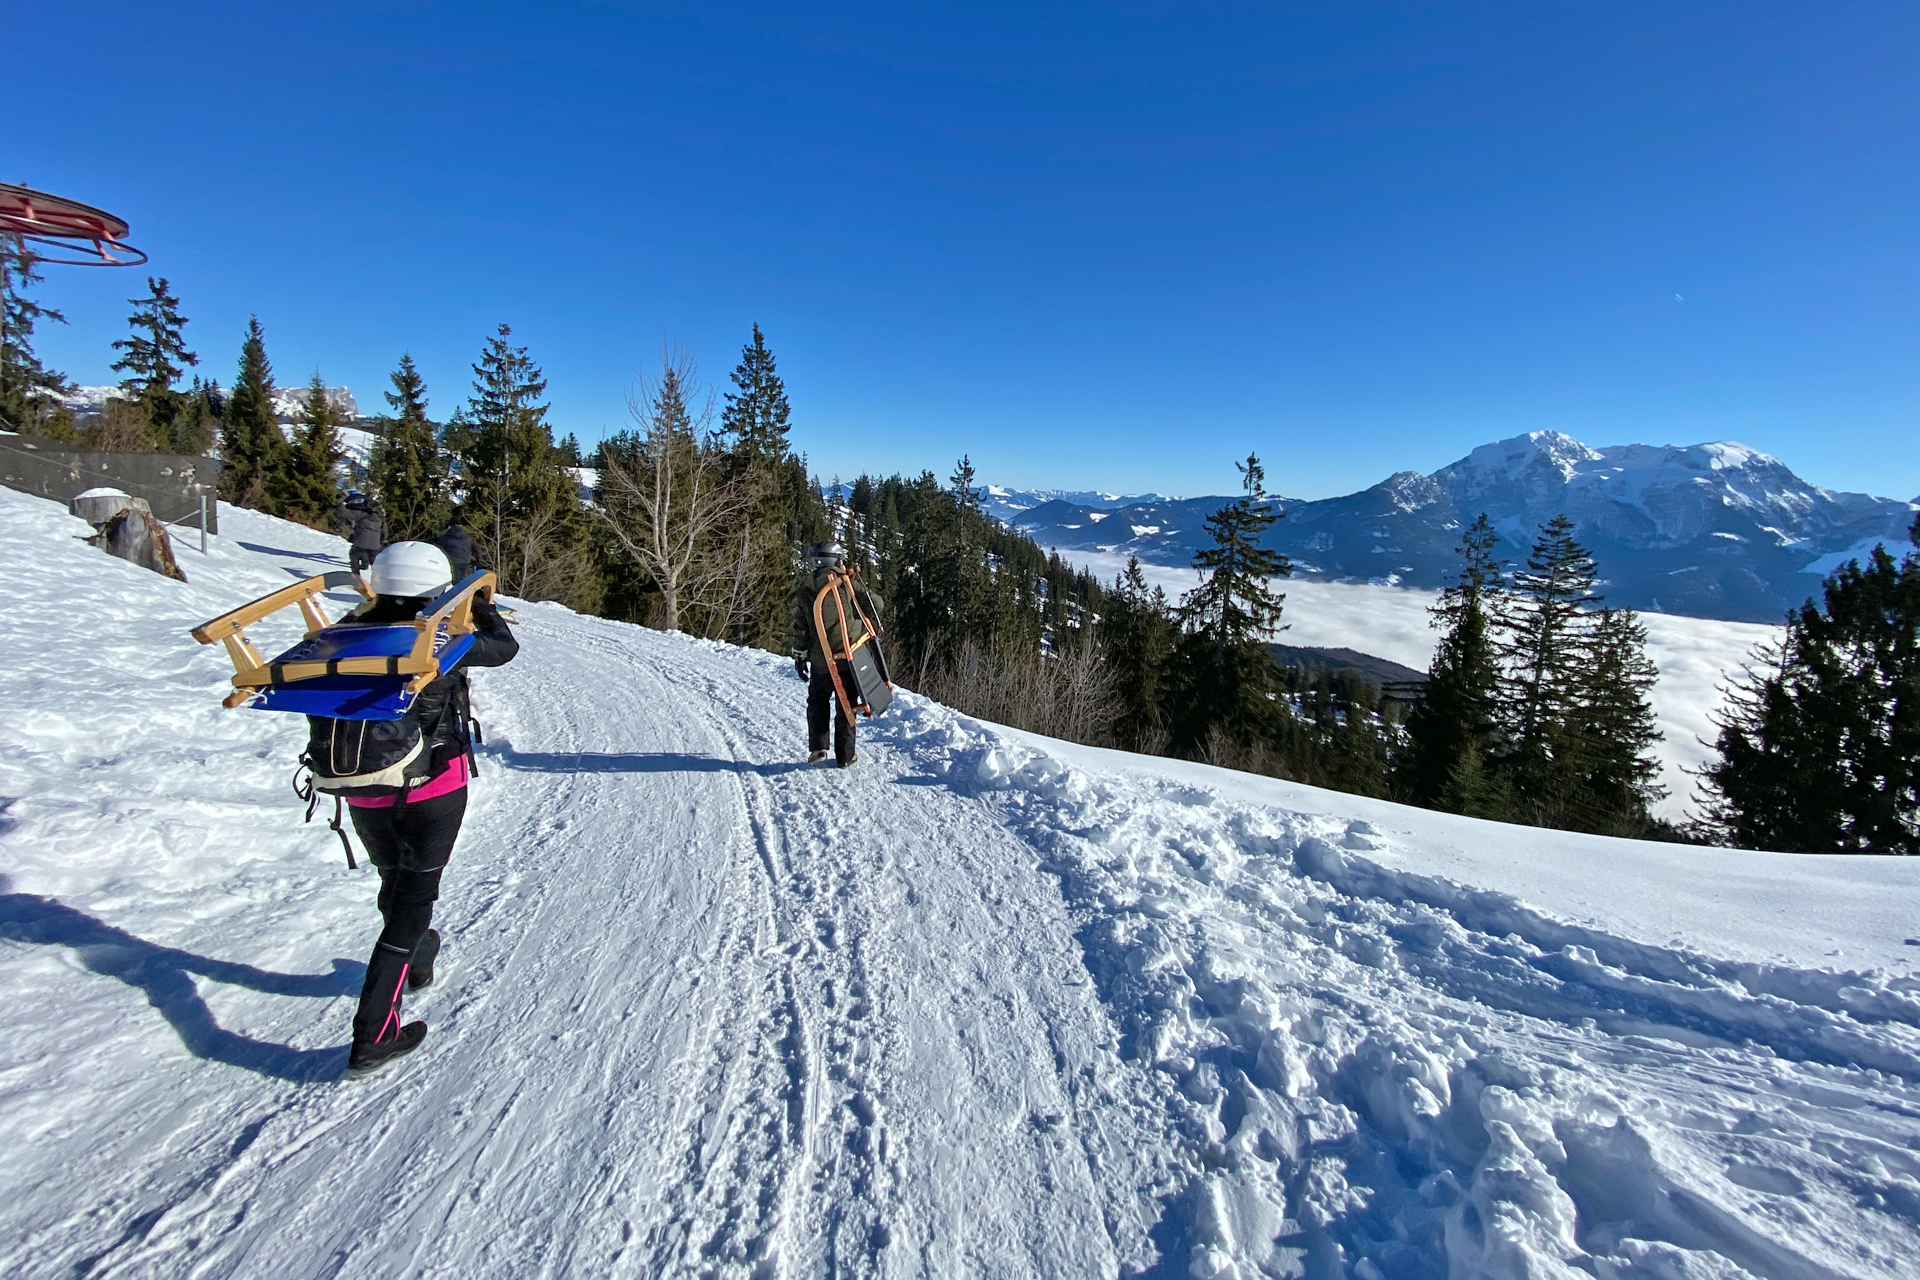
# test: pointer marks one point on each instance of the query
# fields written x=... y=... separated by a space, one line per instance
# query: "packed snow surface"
x=983 y=1004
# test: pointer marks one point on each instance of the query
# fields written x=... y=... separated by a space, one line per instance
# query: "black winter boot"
x=372 y=1055
x=420 y=972
x=378 y=1035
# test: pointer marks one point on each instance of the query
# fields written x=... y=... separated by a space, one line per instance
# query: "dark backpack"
x=367 y=757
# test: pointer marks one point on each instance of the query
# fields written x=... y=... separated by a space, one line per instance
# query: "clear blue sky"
x=1094 y=245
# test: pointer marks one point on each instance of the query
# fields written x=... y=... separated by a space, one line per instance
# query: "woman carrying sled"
x=410 y=836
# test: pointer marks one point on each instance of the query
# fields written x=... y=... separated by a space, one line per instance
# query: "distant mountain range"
x=1709 y=530
x=1008 y=504
x=289 y=403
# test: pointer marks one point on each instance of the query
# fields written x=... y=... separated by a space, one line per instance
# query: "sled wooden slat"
x=842 y=599
x=441 y=630
x=260 y=676
x=300 y=593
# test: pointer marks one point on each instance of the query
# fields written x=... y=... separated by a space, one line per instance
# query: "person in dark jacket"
x=410 y=837
x=366 y=530
x=463 y=553
x=809 y=649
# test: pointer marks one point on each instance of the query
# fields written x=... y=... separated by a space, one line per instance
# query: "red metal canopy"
x=67 y=227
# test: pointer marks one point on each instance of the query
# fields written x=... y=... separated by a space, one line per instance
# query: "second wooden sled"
x=347 y=670
x=872 y=690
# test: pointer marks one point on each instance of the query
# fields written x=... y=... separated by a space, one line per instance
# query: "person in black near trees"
x=809 y=649
x=366 y=530
x=410 y=836
x=463 y=554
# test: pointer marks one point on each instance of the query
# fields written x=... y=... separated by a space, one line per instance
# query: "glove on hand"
x=800 y=668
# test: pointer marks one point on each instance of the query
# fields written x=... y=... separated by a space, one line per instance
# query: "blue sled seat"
x=355 y=697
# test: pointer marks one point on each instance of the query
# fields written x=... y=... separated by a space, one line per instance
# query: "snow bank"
x=1383 y=1071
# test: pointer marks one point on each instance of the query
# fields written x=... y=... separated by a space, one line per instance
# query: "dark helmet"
x=826 y=553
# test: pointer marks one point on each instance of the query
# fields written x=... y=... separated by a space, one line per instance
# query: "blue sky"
x=1107 y=246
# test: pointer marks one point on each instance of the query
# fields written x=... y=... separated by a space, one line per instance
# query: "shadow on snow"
x=165 y=976
x=633 y=762
x=321 y=556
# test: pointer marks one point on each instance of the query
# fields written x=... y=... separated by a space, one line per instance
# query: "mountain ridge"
x=1712 y=530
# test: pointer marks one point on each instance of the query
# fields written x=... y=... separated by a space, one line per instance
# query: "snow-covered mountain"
x=288 y=402
x=291 y=402
x=1710 y=530
x=984 y=1004
x=1006 y=504
x=1009 y=505
x=91 y=399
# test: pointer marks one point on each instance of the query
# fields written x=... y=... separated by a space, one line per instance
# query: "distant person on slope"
x=810 y=649
x=463 y=554
x=409 y=836
x=366 y=530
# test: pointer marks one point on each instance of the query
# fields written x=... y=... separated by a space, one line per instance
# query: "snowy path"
x=982 y=1005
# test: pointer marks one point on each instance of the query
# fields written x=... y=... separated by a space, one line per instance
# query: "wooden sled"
x=346 y=670
x=872 y=693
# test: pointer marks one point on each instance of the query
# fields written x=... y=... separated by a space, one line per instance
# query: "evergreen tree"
x=27 y=387
x=305 y=488
x=252 y=446
x=156 y=358
x=757 y=416
x=962 y=482
x=1541 y=653
x=941 y=602
x=1336 y=740
x=509 y=446
x=407 y=472
x=1138 y=636
x=754 y=425
x=521 y=504
x=1229 y=618
x=1573 y=710
x=1819 y=749
x=1614 y=729
x=1452 y=731
x=197 y=425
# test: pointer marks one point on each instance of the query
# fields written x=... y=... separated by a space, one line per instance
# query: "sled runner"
x=872 y=691
x=346 y=671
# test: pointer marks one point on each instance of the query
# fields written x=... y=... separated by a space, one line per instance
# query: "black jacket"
x=462 y=554
x=442 y=707
x=803 y=639
x=366 y=528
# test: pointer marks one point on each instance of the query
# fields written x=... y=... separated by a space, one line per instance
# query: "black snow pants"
x=409 y=845
x=822 y=703
x=358 y=558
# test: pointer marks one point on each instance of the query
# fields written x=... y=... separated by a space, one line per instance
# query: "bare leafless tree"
x=1069 y=695
x=669 y=503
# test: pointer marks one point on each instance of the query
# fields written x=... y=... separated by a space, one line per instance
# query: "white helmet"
x=410 y=570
